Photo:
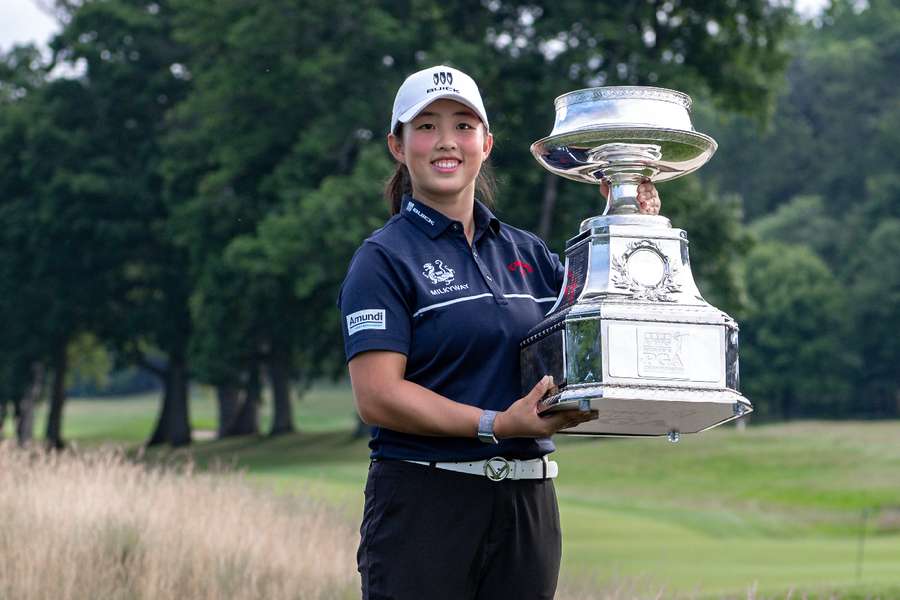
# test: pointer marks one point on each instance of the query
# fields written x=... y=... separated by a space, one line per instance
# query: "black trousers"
x=431 y=534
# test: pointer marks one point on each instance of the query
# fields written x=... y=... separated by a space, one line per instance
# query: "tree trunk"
x=53 y=434
x=25 y=408
x=174 y=424
x=228 y=398
x=246 y=421
x=282 y=410
x=551 y=187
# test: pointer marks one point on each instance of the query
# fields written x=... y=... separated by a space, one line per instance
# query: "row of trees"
x=821 y=190
x=184 y=181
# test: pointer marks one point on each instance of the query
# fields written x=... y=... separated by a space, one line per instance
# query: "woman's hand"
x=648 y=198
x=522 y=419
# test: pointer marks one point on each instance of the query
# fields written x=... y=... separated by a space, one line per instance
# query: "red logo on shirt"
x=521 y=267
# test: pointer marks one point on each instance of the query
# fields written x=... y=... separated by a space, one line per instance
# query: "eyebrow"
x=465 y=113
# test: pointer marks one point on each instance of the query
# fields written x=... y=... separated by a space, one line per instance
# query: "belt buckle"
x=497 y=468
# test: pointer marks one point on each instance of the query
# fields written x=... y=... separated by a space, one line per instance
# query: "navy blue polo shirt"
x=457 y=312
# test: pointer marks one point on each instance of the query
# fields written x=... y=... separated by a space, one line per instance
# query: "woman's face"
x=443 y=148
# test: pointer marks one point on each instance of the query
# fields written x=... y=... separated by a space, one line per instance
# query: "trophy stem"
x=622 y=199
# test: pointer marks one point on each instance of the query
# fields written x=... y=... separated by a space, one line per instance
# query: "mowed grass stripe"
x=607 y=545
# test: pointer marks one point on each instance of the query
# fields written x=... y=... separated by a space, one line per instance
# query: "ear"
x=488 y=145
x=395 y=145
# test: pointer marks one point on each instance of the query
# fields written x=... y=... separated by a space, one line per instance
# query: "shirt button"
x=456 y=227
x=488 y=277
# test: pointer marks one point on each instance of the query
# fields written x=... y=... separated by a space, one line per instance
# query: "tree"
x=875 y=292
x=22 y=346
x=127 y=83
x=796 y=353
x=824 y=173
x=804 y=221
x=58 y=250
x=834 y=121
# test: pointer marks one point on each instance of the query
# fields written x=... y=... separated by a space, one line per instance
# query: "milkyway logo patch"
x=437 y=272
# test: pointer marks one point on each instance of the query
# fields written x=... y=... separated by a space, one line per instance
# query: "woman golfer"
x=459 y=502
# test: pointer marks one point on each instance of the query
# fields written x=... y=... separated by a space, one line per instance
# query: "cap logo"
x=443 y=78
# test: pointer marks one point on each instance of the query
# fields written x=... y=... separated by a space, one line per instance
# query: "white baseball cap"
x=424 y=87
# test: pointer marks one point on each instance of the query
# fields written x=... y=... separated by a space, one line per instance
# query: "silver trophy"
x=630 y=336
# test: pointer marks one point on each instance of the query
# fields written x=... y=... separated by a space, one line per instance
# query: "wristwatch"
x=486 y=427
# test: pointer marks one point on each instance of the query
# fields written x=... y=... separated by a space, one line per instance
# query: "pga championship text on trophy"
x=630 y=336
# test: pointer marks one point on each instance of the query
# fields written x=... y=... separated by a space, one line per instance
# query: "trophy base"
x=632 y=338
x=646 y=411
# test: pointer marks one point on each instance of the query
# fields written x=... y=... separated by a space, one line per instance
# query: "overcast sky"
x=22 y=21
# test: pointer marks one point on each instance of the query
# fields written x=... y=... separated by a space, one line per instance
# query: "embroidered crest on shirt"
x=437 y=272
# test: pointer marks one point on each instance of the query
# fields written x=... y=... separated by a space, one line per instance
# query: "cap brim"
x=412 y=112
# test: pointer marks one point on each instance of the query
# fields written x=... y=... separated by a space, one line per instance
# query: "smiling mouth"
x=446 y=164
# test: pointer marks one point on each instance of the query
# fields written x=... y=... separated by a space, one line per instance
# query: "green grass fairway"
x=777 y=509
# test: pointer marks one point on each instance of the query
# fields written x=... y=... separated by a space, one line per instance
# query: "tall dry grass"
x=95 y=525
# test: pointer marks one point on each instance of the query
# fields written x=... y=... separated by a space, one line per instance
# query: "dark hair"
x=400 y=183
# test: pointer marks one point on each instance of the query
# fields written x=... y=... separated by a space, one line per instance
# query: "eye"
x=426 y=126
x=465 y=125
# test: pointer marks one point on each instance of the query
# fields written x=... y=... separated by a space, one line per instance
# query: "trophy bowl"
x=623 y=135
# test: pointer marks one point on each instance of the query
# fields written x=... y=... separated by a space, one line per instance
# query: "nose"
x=446 y=141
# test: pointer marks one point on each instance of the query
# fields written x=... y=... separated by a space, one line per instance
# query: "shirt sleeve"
x=375 y=310
x=559 y=269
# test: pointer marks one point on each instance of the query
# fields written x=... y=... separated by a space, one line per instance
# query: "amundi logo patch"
x=370 y=318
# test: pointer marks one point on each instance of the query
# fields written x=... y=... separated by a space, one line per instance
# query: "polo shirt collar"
x=484 y=218
x=434 y=223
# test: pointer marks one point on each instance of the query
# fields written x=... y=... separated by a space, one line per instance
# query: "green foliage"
x=833 y=126
x=823 y=175
x=803 y=221
x=797 y=354
x=334 y=218
x=89 y=361
x=875 y=293
x=718 y=241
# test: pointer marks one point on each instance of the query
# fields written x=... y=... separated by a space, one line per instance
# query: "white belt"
x=499 y=468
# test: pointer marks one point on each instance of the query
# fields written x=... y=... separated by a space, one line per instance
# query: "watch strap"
x=486 y=427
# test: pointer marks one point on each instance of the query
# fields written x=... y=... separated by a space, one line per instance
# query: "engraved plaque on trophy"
x=630 y=336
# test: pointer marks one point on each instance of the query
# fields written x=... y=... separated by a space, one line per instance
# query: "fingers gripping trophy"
x=630 y=335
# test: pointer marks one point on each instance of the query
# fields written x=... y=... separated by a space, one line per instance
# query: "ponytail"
x=396 y=187
x=400 y=183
